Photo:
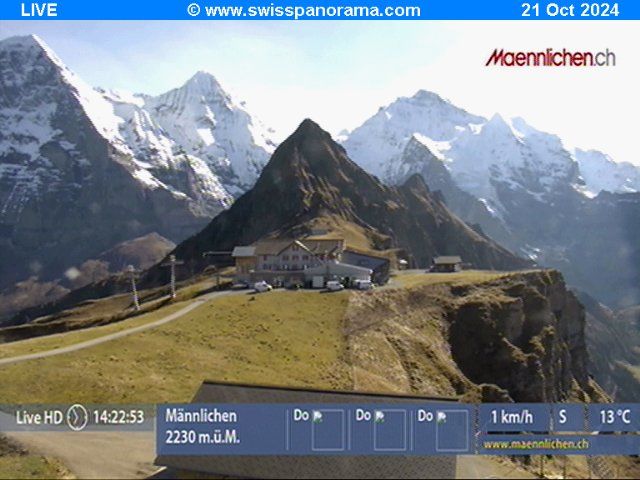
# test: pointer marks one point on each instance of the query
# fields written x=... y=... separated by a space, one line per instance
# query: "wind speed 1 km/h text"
x=566 y=10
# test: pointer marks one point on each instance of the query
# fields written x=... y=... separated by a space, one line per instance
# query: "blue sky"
x=340 y=73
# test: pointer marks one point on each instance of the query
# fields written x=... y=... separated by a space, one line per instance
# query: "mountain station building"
x=311 y=262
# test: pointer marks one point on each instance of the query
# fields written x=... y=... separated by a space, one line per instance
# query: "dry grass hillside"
x=524 y=332
x=484 y=336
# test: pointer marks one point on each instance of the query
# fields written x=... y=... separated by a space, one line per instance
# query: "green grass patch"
x=285 y=338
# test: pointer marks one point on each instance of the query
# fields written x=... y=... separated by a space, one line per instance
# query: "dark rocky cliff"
x=514 y=337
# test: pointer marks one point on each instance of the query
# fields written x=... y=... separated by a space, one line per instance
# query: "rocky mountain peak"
x=416 y=183
x=309 y=128
x=310 y=178
x=26 y=60
x=204 y=78
x=310 y=134
x=205 y=84
x=67 y=165
x=497 y=125
x=426 y=96
x=312 y=161
x=21 y=41
x=26 y=43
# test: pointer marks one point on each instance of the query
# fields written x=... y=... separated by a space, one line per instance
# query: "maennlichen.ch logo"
x=551 y=58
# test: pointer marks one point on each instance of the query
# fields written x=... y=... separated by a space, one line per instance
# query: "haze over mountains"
x=84 y=169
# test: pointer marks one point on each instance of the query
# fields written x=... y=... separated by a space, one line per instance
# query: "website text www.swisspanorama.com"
x=304 y=12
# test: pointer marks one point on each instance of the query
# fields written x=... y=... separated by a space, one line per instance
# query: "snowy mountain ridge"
x=568 y=209
x=481 y=153
x=201 y=120
x=600 y=172
x=82 y=169
x=192 y=141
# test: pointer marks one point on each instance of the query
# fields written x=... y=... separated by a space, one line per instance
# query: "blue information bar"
x=395 y=429
x=324 y=429
x=321 y=10
x=568 y=417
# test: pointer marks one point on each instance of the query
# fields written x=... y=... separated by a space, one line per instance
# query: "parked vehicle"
x=363 y=284
x=334 y=286
x=262 y=286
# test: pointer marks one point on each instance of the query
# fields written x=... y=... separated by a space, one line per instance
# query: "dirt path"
x=94 y=454
x=100 y=454
x=112 y=336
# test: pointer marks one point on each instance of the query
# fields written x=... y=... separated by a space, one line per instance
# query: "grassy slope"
x=50 y=342
x=105 y=311
x=248 y=338
x=288 y=338
x=298 y=345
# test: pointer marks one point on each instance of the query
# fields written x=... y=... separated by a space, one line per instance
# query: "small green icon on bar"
x=441 y=417
x=379 y=416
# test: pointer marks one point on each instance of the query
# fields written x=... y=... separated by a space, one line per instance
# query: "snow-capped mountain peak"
x=198 y=121
x=109 y=165
x=29 y=61
x=600 y=172
x=377 y=143
x=427 y=97
x=484 y=157
x=33 y=46
x=521 y=185
x=499 y=129
x=194 y=141
x=201 y=119
x=205 y=83
x=201 y=90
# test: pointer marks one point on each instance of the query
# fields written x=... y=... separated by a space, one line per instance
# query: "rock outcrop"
x=515 y=337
